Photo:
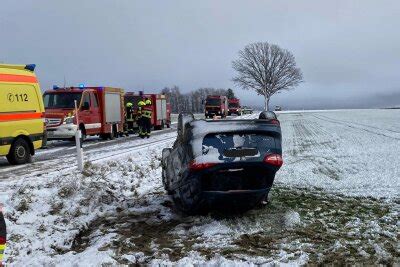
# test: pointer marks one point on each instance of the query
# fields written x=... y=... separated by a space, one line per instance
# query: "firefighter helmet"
x=129 y=104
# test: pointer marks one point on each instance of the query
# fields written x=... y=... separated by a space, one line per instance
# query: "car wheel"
x=20 y=152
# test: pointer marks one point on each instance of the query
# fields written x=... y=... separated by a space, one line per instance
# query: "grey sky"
x=349 y=51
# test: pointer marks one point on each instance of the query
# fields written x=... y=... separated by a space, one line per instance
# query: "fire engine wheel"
x=159 y=127
x=83 y=133
x=104 y=136
x=20 y=152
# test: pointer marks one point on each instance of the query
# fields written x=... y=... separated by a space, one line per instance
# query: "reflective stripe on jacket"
x=147 y=111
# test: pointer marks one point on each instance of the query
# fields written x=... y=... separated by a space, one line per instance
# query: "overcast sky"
x=349 y=51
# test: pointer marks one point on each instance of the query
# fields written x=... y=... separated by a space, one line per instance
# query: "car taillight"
x=276 y=122
x=194 y=166
x=274 y=159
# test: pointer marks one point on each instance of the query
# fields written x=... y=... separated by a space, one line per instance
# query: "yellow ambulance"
x=21 y=113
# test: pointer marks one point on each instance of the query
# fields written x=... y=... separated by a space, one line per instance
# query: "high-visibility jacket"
x=129 y=112
x=141 y=104
x=147 y=111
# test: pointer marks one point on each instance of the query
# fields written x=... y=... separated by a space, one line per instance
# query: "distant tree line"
x=192 y=101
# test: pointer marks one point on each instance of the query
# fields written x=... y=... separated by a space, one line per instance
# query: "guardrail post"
x=79 y=150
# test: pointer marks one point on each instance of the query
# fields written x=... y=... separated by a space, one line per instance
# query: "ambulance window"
x=95 y=101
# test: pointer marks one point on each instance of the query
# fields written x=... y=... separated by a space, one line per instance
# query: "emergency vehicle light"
x=55 y=87
x=30 y=67
x=81 y=85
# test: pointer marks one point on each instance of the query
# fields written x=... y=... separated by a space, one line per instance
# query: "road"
x=62 y=154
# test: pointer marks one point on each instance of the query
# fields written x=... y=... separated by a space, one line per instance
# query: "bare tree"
x=190 y=102
x=267 y=69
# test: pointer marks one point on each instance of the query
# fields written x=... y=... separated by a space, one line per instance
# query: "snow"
x=354 y=153
x=335 y=200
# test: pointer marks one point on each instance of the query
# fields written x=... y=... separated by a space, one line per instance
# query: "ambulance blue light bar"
x=81 y=86
x=30 y=67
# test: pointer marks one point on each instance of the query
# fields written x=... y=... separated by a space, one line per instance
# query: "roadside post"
x=78 y=135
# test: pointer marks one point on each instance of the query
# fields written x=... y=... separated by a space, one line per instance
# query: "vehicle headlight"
x=69 y=120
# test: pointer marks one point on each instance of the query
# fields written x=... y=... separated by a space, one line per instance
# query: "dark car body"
x=222 y=164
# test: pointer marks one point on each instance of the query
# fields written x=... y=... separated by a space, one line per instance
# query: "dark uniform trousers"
x=2 y=236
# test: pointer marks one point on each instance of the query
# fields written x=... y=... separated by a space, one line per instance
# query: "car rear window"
x=237 y=146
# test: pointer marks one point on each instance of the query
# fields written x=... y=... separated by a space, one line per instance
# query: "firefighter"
x=129 y=118
x=147 y=113
x=139 y=118
x=2 y=235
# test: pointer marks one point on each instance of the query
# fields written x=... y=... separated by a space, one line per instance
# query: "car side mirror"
x=85 y=106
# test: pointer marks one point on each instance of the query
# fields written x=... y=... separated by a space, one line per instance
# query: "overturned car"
x=222 y=164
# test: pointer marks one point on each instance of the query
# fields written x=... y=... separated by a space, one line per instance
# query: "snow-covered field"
x=336 y=200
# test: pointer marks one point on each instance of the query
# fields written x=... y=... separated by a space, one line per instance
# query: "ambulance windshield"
x=61 y=100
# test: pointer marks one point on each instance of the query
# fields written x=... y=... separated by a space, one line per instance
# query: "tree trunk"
x=266 y=103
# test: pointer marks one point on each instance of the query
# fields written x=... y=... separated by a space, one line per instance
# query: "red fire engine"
x=161 y=115
x=100 y=112
x=216 y=105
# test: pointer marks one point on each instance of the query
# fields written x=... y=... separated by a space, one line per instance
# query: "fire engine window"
x=86 y=99
x=95 y=100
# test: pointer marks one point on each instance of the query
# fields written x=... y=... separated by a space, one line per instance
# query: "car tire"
x=20 y=152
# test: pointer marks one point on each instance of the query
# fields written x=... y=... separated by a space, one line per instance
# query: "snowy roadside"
x=45 y=218
x=117 y=212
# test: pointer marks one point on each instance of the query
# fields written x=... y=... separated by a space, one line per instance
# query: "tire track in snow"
x=353 y=126
x=311 y=146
